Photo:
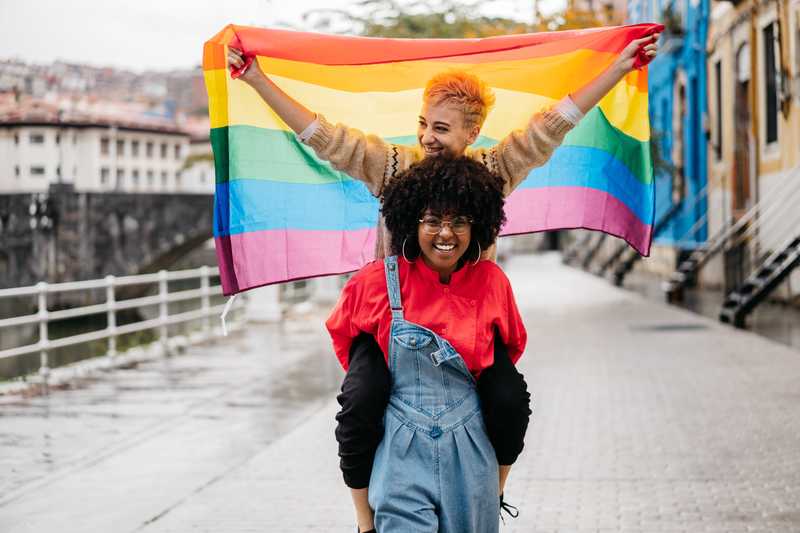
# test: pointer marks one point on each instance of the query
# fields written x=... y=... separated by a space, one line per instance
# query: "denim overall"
x=435 y=469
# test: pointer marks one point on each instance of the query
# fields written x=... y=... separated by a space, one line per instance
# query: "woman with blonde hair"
x=454 y=106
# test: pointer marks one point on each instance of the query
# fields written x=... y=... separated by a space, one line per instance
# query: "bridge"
x=67 y=235
x=646 y=418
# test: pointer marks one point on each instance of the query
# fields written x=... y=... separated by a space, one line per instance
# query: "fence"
x=110 y=307
x=764 y=231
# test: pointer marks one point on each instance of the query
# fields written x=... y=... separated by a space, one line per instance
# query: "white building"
x=40 y=148
x=198 y=167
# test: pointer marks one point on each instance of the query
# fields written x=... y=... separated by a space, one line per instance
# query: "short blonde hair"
x=465 y=91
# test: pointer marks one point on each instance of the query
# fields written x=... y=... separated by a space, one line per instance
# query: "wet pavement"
x=774 y=320
x=647 y=418
x=128 y=444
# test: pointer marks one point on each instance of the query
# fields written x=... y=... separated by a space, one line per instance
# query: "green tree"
x=442 y=19
x=390 y=18
x=568 y=19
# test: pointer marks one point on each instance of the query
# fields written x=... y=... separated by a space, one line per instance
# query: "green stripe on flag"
x=595 y=131
x=249 y=152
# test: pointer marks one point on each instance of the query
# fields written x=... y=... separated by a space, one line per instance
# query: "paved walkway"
x=646 y=419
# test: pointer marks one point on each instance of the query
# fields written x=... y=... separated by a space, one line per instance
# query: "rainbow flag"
x=282 y=214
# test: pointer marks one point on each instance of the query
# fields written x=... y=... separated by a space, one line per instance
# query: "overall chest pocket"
x=413 y=340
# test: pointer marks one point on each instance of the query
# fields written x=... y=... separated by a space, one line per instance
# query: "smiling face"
x=442 y=130
x=442 y=251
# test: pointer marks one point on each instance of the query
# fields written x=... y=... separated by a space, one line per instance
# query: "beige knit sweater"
x=370 y=159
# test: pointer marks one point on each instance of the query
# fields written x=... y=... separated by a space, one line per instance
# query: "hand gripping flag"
x=282 y=214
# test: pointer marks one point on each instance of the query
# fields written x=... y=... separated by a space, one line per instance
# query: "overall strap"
x=444 y=353
x=391 y=268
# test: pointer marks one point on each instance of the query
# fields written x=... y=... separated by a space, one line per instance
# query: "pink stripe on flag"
x=274 y=256
x=549 y=208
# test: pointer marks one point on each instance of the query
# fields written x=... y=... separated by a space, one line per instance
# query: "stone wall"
x=65 y=235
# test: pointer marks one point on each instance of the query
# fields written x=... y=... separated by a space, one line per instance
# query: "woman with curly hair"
x=453 y=109
x=436 y=311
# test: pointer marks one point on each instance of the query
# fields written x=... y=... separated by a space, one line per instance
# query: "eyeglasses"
x=433 y=225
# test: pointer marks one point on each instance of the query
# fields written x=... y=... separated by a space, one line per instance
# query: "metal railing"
x=780 y=211
x=110 y=307
x=746 y=238
x=687 y=240
x=770 y=204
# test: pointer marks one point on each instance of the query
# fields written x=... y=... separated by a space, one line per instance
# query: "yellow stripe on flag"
x=393 y=114
x=626 y=109
x=534 y=75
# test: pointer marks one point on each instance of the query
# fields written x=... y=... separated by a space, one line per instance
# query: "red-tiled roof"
x=30 y=112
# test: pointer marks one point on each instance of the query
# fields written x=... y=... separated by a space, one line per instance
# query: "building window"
x=37 y=171
x=135 y=148
x=718 y=110
x=679 y=141
x=163 y=150
x=74 y=139
x=148 y=149
x=16 y=138
x=135 y=177
x=58 y=171
x=150 y=178
x=797 y=44
x=120 y=177
x=105 y=174
x=58 y=138
x=742 y=121
x=120 y=147
x=177 y=151
x=178 y=180
x=797 y=55
x=104 y=144
x=770 y=84
x=163 y=178
x=16 y=171
x=36 y=138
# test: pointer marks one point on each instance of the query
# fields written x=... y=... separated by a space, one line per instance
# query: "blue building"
x=678 y=107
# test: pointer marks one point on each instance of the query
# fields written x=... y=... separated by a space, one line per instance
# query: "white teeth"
x=444 y=247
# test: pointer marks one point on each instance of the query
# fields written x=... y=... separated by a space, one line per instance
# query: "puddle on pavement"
x=667 y=327
x=317 y=375
x=262 y=399
x=284 y=399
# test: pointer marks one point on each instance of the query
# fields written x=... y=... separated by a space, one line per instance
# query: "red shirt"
x=464 y=312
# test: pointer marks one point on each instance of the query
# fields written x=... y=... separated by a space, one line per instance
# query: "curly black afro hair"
x=447 y=186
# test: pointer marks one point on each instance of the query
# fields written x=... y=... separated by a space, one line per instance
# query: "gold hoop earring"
x=479 y=253
x=404 y=250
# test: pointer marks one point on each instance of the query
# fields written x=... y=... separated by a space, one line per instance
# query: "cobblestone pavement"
x=647 y=419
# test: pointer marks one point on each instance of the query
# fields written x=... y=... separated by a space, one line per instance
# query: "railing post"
x=163 y=310
x=206 y=302
x=44 y=341
x=111 y=320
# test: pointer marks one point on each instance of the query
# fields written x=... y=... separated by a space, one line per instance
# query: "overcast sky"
x=155 y=34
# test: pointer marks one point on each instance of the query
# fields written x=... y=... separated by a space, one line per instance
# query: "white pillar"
x=263 y=304
x=326 y=289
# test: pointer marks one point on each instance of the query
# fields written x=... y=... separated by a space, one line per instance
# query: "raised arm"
x=363 y=157
x=294 y=114
x=590 y=94
x=524 y=149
